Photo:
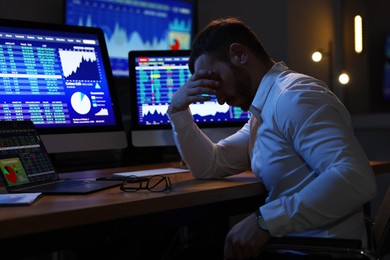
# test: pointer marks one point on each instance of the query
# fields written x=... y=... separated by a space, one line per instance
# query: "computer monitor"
x=60 y=78
x=136 y=25
x=154 y=77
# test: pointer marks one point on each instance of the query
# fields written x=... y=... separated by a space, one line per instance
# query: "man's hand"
x=196 y=89
x=245 y=239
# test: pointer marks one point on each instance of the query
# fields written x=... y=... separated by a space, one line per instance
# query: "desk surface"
x=53 y=212
x=380 y=167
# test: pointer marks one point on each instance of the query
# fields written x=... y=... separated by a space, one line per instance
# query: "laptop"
x=26 y=166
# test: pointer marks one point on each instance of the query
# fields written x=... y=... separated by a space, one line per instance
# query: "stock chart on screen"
x=135 y=25
x=158 y=77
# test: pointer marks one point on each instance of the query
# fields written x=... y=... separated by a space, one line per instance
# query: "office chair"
x=378 y=237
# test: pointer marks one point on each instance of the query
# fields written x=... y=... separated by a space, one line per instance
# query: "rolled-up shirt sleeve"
x=204 y=158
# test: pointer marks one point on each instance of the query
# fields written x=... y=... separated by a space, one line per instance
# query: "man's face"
x=234 y=82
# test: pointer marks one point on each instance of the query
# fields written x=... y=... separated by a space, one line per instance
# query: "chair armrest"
x=317 y=246
x=313 y=242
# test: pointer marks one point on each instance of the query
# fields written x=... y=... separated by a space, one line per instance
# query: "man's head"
x=234 y=56
x=215 y=40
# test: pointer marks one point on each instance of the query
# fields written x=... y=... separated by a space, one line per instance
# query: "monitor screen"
x=135 y=25
x=154 y=77
x=60 y=78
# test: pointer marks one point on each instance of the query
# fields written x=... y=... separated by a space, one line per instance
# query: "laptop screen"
x=23 y=158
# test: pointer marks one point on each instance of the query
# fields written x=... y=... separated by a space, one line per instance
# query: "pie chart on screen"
x=10 y=174
x=80 y=103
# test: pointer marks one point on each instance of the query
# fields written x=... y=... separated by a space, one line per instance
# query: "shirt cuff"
x=277 y=220
x=181 y=119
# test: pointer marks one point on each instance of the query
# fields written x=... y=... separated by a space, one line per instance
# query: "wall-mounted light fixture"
x=317 y=56
x=358 y=33
x=344 y=78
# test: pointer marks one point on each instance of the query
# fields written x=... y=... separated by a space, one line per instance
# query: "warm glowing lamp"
x=344 y=78
x=316 y=56
x=358 y=31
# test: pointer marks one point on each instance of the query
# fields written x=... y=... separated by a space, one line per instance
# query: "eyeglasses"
x=155 y=183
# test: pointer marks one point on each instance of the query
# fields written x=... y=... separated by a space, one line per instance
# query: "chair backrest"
x=381 y=227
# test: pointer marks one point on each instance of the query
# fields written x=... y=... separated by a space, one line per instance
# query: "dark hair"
x=218 y=35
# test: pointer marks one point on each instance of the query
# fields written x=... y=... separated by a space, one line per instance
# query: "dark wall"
x=378 y=26
x=37 y=10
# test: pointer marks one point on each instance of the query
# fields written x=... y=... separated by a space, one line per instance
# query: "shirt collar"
x=265 y=87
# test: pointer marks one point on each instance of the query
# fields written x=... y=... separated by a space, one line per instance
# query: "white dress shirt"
x=300 y=143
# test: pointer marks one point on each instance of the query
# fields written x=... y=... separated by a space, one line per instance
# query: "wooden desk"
x=55 y=216
x=52 y=220
x=380 y=167
x=56 y=212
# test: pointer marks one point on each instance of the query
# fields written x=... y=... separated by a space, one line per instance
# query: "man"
x=299 y=141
